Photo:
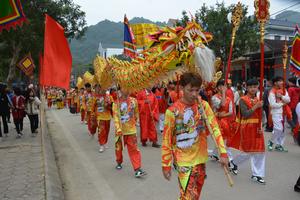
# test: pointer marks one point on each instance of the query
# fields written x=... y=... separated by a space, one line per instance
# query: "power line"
x=285 y=8
x=290 y=14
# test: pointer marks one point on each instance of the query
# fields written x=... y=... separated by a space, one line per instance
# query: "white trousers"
x=258 y=162
x=278 y=137
x=161 y=121
x=277 y=122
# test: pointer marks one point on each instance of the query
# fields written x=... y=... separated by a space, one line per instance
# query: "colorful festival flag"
x=11 y=14
x=129 y=41
x=141 y=32
x=57 y=63
x=295 y=55
x=26 y=65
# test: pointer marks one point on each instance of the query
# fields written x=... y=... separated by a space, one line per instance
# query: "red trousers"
x=82 y=112
x=195 y=180
x=92 y=124
x=103 y=131
x=133 y=152
x=148 y=130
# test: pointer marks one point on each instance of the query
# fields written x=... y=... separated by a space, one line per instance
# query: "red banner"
x=57 y=63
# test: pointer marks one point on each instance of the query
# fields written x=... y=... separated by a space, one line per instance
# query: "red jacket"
x=248 y=137
x=147 y=101
x=161 y=99
x=294 y=93
x=18 y=110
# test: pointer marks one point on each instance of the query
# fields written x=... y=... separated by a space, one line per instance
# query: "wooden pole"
x=229 y=178
x=262 y=15
x=236 y=18
x=284 y=61
x=262 y=58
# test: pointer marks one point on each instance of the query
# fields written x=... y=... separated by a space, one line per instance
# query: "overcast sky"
x=157 y=10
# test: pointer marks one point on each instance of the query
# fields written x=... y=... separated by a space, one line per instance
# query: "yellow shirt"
x=101 y=106
x=185 y=138
x=125 y=114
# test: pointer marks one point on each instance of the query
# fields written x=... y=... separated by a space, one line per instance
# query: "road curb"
x=53 y=184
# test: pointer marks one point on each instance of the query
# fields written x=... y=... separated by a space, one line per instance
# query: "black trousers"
x=0 y=130
x=4 y=123
x=298 y=182
x=8 y=116
x=19 y=125
x=34 y=122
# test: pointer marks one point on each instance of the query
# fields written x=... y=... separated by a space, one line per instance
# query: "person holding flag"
x=277 y=102
x=249 y=137
x=149 y=115
x=223 y=107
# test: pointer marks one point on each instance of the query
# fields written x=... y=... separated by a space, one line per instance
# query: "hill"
x=109 y=33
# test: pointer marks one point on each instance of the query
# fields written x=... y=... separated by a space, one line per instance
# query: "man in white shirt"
x=277 y=100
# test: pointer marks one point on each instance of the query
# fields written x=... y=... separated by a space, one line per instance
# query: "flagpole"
x=236 y=17
x=284 y=61
x=262 y=15
x=262 y=58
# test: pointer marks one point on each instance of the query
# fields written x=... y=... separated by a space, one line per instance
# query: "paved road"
x=88 y=174
x=21 y=166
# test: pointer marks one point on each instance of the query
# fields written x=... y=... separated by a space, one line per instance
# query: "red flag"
x=295 y=55
x=56 y=70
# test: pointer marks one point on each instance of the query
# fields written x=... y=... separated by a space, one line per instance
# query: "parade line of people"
x=182 y=116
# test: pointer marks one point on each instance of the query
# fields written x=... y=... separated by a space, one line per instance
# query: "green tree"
x=29 y=38
x=182 y=22
x=214 y=20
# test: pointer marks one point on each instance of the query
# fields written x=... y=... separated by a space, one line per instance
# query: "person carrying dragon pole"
x=185 y=139
x=149 y=115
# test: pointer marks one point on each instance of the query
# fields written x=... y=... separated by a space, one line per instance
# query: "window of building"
x=277 y=37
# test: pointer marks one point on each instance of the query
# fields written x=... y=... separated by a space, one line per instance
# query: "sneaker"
x=297 y=188
x=215 y=157
x=139 y=173
x=268 y=130
x=280 y=148
x=144 y=144
x=19 y=136
x=119 y=166
x=270 y=145
x=155 y=145
x=101 y=149
x=106 y=146
x=258 y=179
x=233 y=168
